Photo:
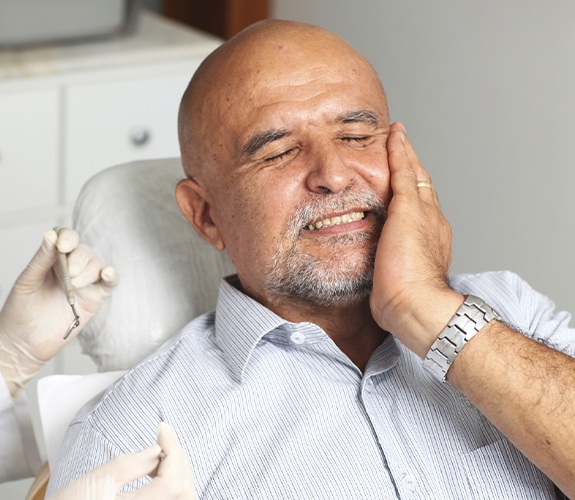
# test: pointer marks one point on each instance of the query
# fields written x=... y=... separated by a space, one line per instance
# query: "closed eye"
x=362 y=140
x=280 y=156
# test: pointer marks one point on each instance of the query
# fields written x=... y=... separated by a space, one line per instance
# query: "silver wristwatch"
x=471 y=317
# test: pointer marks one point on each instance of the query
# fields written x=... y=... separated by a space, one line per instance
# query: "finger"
x=403 y=176
x=51 y=236
x=45 y=257
x=129 y=467
x=85 y=270
x=79 y=259
x=68 y=239
x=109 y=277
x=420 y=171
x=426 y=188
x=88 y=488
x=426 y=191
x=174 y=479
x=89 y=274
x=175 y=459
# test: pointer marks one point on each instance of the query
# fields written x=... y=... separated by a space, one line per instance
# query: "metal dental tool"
x=65 y=274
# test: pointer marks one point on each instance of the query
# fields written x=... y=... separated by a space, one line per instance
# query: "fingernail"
x=164 y=425
x=109 y=275
x=51 y=236
x=162 y=428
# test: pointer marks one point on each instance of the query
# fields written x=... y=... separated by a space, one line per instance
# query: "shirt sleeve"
x=82 y=450
x=19 y=456
x=107 y=426
x=521 y=307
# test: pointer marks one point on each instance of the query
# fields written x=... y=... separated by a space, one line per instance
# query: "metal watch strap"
x=471 y=317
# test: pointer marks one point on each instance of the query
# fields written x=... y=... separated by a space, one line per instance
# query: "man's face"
x=300 y=179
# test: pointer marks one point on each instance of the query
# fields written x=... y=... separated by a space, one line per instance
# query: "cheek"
x=253 y=219
x=373 y=168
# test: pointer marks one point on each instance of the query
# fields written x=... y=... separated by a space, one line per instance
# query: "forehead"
x=295 y=64
x=277 y=78
x=301 y=85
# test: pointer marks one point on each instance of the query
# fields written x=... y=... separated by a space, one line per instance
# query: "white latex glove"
x=36 y=313
x=173 y=478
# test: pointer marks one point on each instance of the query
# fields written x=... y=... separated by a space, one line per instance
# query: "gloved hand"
x=173 y=478
x=36 y=313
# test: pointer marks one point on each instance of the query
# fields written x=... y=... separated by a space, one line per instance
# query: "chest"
x=296 y=433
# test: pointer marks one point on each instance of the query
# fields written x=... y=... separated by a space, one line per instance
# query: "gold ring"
x=424 y=184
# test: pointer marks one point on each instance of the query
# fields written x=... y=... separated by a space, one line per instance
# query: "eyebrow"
x=360 y=116
x=262 y=139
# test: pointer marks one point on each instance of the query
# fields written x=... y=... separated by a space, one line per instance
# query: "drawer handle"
x=140 y=135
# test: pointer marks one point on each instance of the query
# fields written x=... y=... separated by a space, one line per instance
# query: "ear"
x=193 y=201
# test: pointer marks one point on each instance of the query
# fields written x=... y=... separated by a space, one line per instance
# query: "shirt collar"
x=240 y=324
x=384 y=358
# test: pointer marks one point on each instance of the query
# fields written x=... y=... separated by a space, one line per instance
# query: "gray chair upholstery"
x=167 y=274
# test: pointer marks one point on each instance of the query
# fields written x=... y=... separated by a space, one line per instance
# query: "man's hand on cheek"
x=411 y=298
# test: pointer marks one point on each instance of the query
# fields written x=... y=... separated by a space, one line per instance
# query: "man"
x=308 y=380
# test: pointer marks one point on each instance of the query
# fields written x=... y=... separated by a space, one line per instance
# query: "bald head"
x=268 y=55
x=284 y=125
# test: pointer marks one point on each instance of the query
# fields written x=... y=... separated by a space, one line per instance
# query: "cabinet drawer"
x=29 y=141
x=18 y=245
x=112 y=123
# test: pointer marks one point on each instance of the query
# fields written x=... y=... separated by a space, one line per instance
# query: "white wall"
x=487 y=93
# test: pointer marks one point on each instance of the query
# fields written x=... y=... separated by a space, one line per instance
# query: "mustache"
x=319 y=205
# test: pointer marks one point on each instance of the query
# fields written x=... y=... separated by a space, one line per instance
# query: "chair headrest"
x=168 y=275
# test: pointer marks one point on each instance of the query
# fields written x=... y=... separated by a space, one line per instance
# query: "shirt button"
x=409 y=482
x=297 y=338
x=369 y=385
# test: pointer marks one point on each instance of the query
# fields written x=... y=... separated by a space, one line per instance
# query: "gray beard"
x=297 y=275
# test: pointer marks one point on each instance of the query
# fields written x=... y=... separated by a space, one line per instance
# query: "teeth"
x=338 y=219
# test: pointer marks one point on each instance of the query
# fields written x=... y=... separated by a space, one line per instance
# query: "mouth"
x=336 y=220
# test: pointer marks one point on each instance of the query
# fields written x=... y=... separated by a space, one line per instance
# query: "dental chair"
x=168 y=275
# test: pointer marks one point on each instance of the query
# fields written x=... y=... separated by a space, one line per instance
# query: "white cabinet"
x=29 y=147
x=138 y=120
x=26 y=234
x=69 y=111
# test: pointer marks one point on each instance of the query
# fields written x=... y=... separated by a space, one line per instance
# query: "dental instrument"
x=65 y=275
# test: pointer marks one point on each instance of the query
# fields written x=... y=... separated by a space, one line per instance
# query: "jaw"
x=324 y=271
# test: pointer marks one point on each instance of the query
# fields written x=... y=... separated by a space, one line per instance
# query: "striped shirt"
x=267 y=409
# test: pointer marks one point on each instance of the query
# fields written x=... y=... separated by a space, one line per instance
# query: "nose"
x=329 y=173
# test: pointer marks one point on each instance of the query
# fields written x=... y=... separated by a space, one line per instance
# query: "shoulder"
x=504 y=287
x=146 y=388
x=520 y=306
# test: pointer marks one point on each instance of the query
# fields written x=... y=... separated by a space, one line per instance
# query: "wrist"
x=471 y=317
x=420 y=322
x=17 y=366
